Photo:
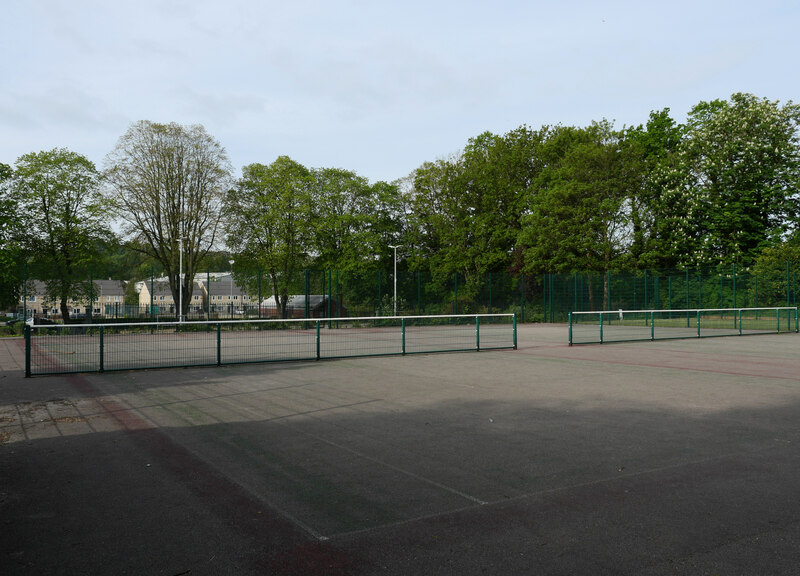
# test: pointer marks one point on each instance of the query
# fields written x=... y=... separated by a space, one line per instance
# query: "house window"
x=31 y=298
x=160 y=297
x=116 y=298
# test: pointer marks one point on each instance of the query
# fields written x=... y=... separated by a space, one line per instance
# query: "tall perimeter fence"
x=533 y=298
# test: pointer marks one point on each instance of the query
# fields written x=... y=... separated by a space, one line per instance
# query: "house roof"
x=223 y=288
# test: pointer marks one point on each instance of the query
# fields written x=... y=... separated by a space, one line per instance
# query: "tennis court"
x=663 y=457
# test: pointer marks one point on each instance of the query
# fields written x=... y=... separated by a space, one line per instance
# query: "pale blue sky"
x=374 y=87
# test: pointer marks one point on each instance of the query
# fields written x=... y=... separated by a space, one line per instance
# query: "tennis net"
x=631 y=325
x=60 y=349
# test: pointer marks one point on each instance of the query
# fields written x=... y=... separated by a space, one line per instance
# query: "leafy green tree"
x=268 y=222
x=465 y=211
x=655 y=213
x=167 y=183
x=579 y=215
x=739 y=176
x=771 y=270
x=343 y=214
x=65 y=219
x=10 y=279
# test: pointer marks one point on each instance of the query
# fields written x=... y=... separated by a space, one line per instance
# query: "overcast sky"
x=371 y=86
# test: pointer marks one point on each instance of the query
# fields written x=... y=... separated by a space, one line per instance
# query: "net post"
x=102 y=351
x=740 y=321
x=698 y=323
x=403 y=336
x=778 y=319
x=652 y=325
x=601 y=326
x=27 y=330
x=514 y=323
x=477 y=333
x=570 y=328
x=796 y=321
x=219 y=344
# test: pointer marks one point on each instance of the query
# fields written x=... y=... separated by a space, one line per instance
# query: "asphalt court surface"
x=670 y=457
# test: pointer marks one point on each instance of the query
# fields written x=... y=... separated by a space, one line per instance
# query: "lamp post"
x=395 y=276
x=231 y=296
x=180 y=281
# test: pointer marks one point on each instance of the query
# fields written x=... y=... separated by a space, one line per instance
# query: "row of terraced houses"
x=216 y=298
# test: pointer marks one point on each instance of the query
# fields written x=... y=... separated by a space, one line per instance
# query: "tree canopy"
x=720 y=189
x=64 y=218
x=167 y=183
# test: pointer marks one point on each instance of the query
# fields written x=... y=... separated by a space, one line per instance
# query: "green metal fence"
x=60 y=349
x=533 y=298
x=631 y=325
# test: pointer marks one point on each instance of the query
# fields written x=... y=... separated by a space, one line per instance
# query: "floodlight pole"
x=180 y=281
x=395 y=276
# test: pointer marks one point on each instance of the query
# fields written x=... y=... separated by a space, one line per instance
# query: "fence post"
x=788 y=297
x=490 y=292
x=380 y=296
x=259 y=293
x=419 y=294
x=669 y=292
x=152 y=295
x=307 y=287
x=687 y=289
x=90 y=307
x=102 y=360
x=455 y=299
x=27 y=330
x=329 y=299
x=24 y=293
x=318 y=347
x=522 y=298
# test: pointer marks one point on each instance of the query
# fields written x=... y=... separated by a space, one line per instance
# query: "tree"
x=579 y=214
x=740 y=173
x=269 y=221
x=655 y=212
x=168 y=183
x=465 y=211
x=10 y=280
x=64 y=219
x=343 y=214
